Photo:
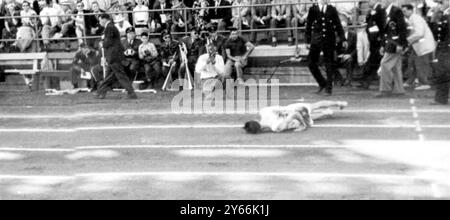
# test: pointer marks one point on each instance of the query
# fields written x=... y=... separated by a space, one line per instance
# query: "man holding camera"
x=148 y=54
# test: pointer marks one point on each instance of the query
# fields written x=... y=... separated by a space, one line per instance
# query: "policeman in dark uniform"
x=440 y=26
x=322 y=25
x=376 y=20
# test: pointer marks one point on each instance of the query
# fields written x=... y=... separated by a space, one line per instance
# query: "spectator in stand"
x=261 y=16
x=141 y=17
x=118 y=11
x=200 y=14
x=102 y=4
x=122 y=25
x=347 y=9
x=131 y=45
x=170 y=55
x=149 y=56
x=220 y=16
x=11 y=25
x=26 y=33
x=195 y=46
x=238 y=49
x=299 y=12
x=181 y=18
x=241 y=14
x=210 y=68
x=347 y=56
x=51 y=23
x=423 y=44
x=217 y=40
x=86 y=60
x=93 y=27
x=281 y=15
x=160 y=19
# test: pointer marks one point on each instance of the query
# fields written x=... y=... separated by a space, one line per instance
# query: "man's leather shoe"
x=320 y=90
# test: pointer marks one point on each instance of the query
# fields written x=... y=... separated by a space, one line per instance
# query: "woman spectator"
x=26 y=33
x=11 y=25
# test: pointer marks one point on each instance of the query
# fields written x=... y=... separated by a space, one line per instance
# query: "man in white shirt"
x=50 y=21
x=422 y=41
x=210 y=69
x=296 y=117
x=141 y=17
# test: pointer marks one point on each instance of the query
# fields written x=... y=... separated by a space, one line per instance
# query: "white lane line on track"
x=419 y=127
x=46 y=150
x=217 y=174
x=156 y=113
x=202 y=126
x=344 y=145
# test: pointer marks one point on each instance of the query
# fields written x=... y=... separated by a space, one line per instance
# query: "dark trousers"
x=152 y=71
x=132 y=67
x=441 y=75
x=349 y=66
x=96 y=71
x=370 y=69
x=115 y=71
x=330 y=65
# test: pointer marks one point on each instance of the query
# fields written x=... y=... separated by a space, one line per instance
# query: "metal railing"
x=168 y=11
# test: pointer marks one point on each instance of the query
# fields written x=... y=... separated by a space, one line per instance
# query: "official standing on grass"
x=322 y=25
x=114 y=55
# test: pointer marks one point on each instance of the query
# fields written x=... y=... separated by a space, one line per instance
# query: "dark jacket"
x=376 y=21
x=441 y=30
x=134 y=46
x=220 y=13
x=89 y=20
x=171 y=50
x=195 y=49
x=157 y=15
x=395 y=31
x=351 y=41
x=114 y=51
x=322 y=28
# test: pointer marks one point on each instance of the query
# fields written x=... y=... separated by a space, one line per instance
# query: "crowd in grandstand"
x=394 y=39
x=55 y=19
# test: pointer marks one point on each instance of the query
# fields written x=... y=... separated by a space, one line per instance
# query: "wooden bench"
x=29 y=63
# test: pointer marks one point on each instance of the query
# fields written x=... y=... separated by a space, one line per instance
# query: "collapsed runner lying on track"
x=295 y=117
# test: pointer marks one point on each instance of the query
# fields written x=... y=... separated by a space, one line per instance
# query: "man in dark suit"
x=347 y=56
x=114 y=55
x=195 y=46
x=161 y=18
x=131 y=46
x=221 y=15
x=376 y=21
x=322 y=26
x=394 y=44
